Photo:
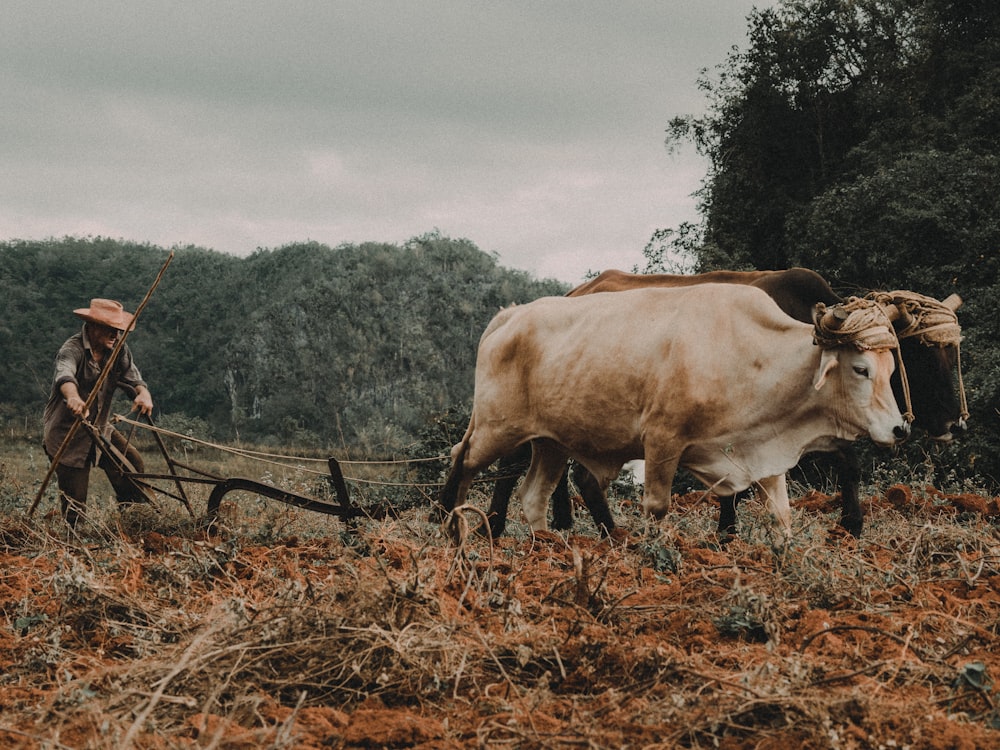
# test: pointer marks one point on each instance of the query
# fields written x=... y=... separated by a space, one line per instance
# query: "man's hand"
x=76 y=405
x=72 y=397
x=143 y=402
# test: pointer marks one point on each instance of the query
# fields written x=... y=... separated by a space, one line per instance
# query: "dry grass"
x=294 y=630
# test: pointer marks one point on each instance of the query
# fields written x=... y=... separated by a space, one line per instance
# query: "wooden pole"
x=97 y=387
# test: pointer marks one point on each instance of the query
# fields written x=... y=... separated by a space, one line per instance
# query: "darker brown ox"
x=587 y=390
x=796 y=291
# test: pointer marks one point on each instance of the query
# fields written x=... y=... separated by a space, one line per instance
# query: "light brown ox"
x=720 y=381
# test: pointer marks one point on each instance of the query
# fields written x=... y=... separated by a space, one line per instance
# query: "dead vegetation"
x=291 y=630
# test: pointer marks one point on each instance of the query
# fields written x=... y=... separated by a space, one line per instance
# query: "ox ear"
x=827 y=361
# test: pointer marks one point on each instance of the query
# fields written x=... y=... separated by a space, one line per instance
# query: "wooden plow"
x=180 y=474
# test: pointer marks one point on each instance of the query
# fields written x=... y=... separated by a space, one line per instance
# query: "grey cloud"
x=240 y=124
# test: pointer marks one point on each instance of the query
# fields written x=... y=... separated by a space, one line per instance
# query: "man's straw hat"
x=107 y=312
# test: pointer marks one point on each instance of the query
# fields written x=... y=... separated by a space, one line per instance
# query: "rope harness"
x=286 y=461
x=865 y=324
x=932 y=323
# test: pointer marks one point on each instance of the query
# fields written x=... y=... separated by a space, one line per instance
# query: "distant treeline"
x=358 y=345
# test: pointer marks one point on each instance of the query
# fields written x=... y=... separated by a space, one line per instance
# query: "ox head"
x=856 y=364
x=935 y=405
x=929 y=337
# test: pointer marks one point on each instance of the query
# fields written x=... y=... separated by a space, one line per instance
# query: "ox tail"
x=449 y=493
x=452 y=488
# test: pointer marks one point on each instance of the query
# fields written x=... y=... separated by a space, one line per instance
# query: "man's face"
x=104 y=337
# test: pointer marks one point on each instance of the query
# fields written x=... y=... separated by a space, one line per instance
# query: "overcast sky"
x=535 y=129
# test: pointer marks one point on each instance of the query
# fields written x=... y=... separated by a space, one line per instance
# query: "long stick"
x=97 y=387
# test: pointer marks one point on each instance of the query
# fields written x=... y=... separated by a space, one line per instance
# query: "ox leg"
x=846 y=463
x=468 y=459
x=548 y=462
x=562 y=508
x=511 y=468
x=595 y=499
x=776 y=490
x=456 y=485
x=727 y=514
x=660 y=471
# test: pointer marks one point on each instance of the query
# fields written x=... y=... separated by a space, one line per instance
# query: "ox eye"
x=861 y=370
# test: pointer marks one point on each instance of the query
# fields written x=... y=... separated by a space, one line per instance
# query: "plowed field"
x=289 y=630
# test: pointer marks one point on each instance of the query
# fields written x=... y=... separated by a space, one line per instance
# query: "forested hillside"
x=306 y=345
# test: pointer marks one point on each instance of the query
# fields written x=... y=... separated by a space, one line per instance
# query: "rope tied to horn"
x=858 y=322
x=865 y=324
x=932 y=323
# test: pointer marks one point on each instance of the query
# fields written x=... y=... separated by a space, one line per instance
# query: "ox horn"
x=893 y=312
x=833 y=317
x=952 y=302
x=899 y=315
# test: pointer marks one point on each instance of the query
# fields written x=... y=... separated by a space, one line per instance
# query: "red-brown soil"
x=390 y=635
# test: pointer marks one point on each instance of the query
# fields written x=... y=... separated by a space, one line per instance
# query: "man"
x=78 y=366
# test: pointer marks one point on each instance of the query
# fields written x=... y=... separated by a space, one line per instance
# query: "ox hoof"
x=725 y=536
x=852 y=526
x=562 y=524
x=839 y=535
x=616 y=534
x=549 y=537
x=491 y=530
